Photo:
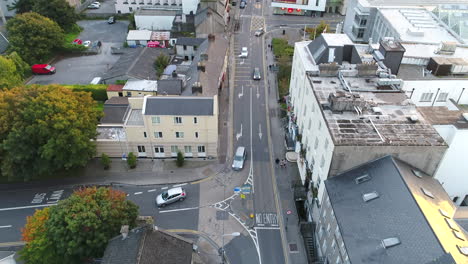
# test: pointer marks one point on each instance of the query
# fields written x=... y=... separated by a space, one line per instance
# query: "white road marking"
x=179 y=185
x=242 y=92
x=6 y=226
x=267 y=227
x=152 y=190
x=164 y=188
x=260 y=131
x=181 y=209
x=258 y=93
x=238 y=135
x=138 y=193
x=25 y=207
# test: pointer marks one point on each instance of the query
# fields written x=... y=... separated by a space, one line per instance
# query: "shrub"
x=180 y=159
x=131 y=160
x=98 y=91
x=105 y=161
x=72 y=48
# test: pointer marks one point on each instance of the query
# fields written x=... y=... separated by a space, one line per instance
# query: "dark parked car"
x=256 y=74
x=111 y=20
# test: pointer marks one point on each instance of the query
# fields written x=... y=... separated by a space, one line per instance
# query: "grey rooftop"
x=191 y=106
x=190 y=41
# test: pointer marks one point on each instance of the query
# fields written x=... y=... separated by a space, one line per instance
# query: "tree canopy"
x=9 y=74
x=44 y=129
x=315 y=32
x=33 y=36
x=78 y=228
x=59 y=11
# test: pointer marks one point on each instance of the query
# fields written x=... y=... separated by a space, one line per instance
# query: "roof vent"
x=390 y=242
x=444 y=213
x=458 y=235
x=362 y=179
x=370 y=196
x=413 y=118
x=463 y=250
x=451 y=224
x=427 y=193
x=417 y=173
x=377 y=110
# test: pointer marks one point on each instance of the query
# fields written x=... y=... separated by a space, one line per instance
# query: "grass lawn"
x=73 y=34
x=100 y=106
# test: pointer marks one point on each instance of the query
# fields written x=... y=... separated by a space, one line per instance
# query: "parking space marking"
x=6 y=226
x=164 y=188
x=152 y=190
x=181 y=209
x=137 y=193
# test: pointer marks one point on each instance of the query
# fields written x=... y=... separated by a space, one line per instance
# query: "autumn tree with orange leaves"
x=78 y=228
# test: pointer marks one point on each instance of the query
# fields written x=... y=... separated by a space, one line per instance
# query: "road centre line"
x=267 y=228
x=26 y=207
x=179 y=185
x=177 y=210
x=6 y=226
x=164 y=188
x=152 y=190
x=137 y=193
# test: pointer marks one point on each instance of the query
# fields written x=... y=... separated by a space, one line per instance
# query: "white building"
x=129 y=6
x=298 y=7
x=187 y=48
x=156 y=19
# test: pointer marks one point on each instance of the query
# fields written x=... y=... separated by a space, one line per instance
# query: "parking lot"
x=107 y=7
x=82 y=69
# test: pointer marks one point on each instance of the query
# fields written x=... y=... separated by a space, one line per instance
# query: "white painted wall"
x=154 y=22
x=454 y=88
x=312 y=5
x=189 y=51
x=124 y=5
x=190 y=6
x=453 y=169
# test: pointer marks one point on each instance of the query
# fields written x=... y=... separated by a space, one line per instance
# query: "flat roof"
x=141 y=85
x=190 y=106
x=111 y=133
x=417 y=50
x=139 y=35
x=159 y=11
x=337 y=39
x=442 y=115
x=384 y=117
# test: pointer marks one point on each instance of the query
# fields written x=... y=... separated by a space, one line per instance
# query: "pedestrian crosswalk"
x=257 y=22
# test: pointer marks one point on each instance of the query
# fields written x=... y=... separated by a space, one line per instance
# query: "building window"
x=201 y=149
x=179 y=134
x=317 y=2
x=305 y=109
x=195 y=47
x=426 y=97
x=322 y=162
x=363 y=22
x=442 y=97
x=326 y=143
x=310 y=124
x=188 y=149
x=141 y=149
x=129 y=94
x=159 y=149
x=130 y=9
x=178 y=120
x=196 y=134
x=174 y=149
x=155 y=119
x=158 y=134
x=316 y=143
x=185 y=47
x=120 y=94
x=360 y=33
x=144 y=134
x=195 y=120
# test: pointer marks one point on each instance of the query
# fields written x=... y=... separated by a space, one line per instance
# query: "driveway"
x=82 y=69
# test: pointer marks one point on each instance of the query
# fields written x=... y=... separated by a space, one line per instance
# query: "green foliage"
x=131 y=160
x=9 y=75
x=21 y=66
x=78 y=228
x=132 y=24
x=122 y=82
x=161 y=63
x=22 y=6
x=180 y=159
x=73 y=33
x=98 y=91
x=281 y=47
x=69 y=47
x=44 y=129
x=315 y=32
x=34 y=37
x=105 y=161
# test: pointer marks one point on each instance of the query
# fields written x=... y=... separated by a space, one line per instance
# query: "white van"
x=239 y=158
x=96 y=80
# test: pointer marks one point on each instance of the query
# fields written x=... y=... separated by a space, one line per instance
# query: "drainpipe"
x=435 y=98
x=412 y=93
x=460 y=95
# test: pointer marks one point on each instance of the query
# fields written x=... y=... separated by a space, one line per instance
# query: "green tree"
x=34 y=37
x=44 y=129
x=22 y=6
x=315 y=32
x=180 y=159
x=21 y=66
x=105 y=161
x=9 y=75
x=131 y=160
x=78 y=228
x=59 y=11
x=161 y=63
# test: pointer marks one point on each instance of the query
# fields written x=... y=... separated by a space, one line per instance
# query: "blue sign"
x=246 y=189
x=237 y=190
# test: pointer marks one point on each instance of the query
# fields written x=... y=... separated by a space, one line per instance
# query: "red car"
x=78 y=41
x=42 y=69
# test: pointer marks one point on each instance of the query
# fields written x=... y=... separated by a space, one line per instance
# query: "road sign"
x=242 y=196
x=246 y=189
x=288 y=212
x=237 y=190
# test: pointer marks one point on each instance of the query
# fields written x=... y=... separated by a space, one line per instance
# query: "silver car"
x=256 y=74
x=171 y=196
x=239 y=158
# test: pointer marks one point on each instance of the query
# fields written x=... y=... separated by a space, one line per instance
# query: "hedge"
x=98 y=91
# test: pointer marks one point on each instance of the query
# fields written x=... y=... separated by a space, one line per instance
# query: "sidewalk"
x=147 y=172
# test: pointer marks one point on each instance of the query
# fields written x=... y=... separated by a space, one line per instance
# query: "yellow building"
x=133 y=88
x=159 y=126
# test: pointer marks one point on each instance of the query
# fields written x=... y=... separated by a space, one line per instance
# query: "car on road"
x=111 y=20
x=239 y=159
x=93 y=6
x=244 y=53
x=87 y=43
x=259 y=32
x=96 y=3
x=256 y=74
x=171 y=196
x=242 y=4
x=42 y=69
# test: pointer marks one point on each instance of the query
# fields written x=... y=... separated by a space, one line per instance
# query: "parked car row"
x=94 y=5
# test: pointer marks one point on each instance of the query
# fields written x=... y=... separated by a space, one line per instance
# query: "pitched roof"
x=139 y=35
x=395 y=213
x=115 y=87
x=170 y=87
x=190 y=41
x=191 y=106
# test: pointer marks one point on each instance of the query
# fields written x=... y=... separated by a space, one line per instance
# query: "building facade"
x=298 y=7
x=129 y=6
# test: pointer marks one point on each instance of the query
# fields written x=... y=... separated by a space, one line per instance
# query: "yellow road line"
x=12 y=244
x=203 y=180
x=183 y=231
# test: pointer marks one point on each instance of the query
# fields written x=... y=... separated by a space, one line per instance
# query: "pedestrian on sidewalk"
x=284 y=163
x=277 y=161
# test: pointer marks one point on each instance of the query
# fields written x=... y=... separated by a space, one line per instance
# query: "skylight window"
x=458 y=235
x=463 y=250
x=390 y=242
x=362 y=179
x=451 y=224
x=444 y=213
x=417 y=173
x=427 y=193
x=370 y=196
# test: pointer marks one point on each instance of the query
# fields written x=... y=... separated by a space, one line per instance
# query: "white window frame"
x=195 y=120
x=189 y=148
x=155 y=120
x=197 y=135
x=179 y=134
x=178 y=120
x=426 y=97
x=442 y=97
x=158 y=134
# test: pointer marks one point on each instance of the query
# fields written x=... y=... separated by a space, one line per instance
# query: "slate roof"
x=191 y=106
x=3 y=43
x=135 y=63
x=395 y=213
x=115 y=110
x=170 y=87
x=147 y=246
x=190 y=41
